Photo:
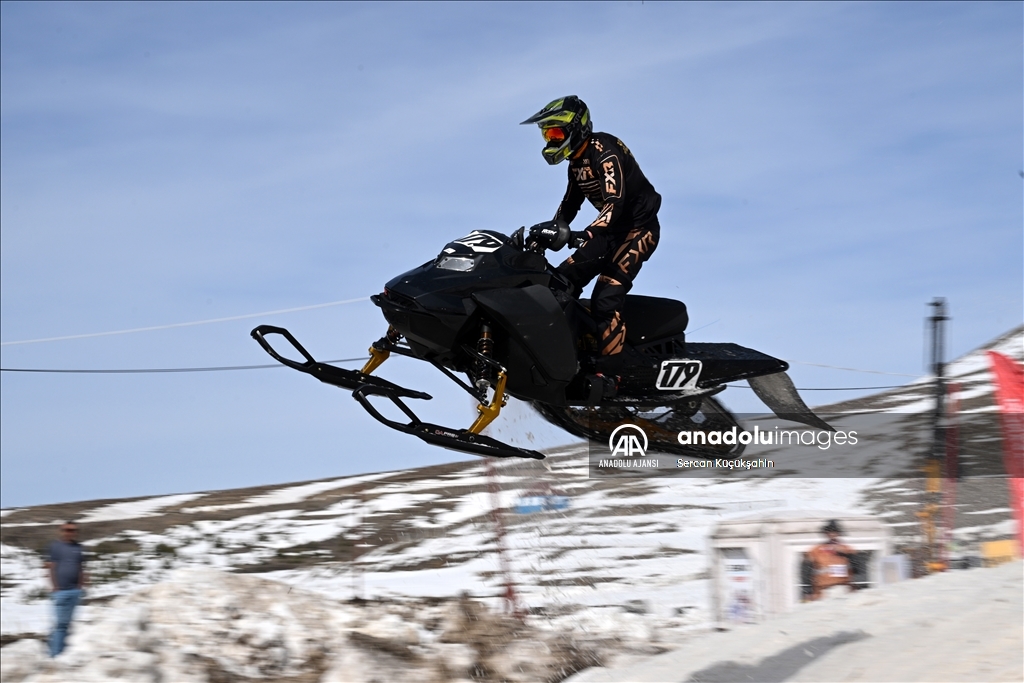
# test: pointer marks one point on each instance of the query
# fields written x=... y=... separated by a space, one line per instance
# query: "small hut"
x=759 y=565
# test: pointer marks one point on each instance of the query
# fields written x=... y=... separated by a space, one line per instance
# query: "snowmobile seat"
x=650 y=318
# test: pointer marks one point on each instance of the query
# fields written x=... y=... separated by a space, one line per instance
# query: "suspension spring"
x=484 y=373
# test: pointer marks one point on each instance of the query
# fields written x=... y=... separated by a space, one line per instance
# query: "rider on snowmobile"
x=626 y=231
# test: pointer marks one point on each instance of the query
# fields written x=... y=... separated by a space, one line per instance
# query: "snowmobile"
x=490 y=308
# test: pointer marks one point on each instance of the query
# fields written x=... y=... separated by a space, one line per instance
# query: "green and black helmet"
x=565 y=125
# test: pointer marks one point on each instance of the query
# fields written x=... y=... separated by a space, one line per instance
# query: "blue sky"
x=827 y=169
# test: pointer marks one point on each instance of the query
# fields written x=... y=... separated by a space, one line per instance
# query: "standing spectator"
x=68 y=579
x=831 y=561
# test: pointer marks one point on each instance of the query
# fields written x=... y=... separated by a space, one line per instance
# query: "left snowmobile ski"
x=491 y=308
x=363 y=385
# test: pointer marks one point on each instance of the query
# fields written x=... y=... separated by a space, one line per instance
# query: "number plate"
x=679 y=375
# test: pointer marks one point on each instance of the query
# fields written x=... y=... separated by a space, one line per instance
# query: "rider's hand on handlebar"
x=577 y=238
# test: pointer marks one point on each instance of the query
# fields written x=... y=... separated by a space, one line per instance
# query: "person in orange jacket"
x=831 y=561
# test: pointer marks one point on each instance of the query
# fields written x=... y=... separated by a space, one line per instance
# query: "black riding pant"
x=615 y=259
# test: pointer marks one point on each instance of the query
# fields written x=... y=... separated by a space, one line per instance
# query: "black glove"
x=551 y=235
x=578 y=238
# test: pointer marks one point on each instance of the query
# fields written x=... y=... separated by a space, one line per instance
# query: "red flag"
x=1010 y=397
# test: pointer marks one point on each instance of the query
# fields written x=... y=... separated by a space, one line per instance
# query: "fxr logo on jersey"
x=678 y=375
x=480 y=242
x=611 y=176
x=584 y=173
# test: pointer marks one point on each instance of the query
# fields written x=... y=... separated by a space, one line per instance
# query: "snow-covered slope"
x=430 y=532
x=960 y=626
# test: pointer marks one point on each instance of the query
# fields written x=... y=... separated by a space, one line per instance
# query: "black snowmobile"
x=491 y=308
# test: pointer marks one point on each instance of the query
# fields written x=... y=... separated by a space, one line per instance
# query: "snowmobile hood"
x=484 y=259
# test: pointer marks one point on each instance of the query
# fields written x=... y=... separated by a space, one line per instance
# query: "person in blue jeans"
x=68 y=579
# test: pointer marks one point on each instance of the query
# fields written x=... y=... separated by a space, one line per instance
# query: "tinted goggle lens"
x=553 y=134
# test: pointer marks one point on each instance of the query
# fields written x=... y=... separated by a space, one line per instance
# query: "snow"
x=607 y=550
x=476 y=504
x=599 y=552
x=749 y=505
x=1005 y=528
x=962 y=626
x=398 y=501
x=205 y=625
x=293 y=494
x=202 y=625
x=133 y=509
x=26 y=618
x=244 y=626
x=619 y=542
x=1011 y=345
x=23 y=570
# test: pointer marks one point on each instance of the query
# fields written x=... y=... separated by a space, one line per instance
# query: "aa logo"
x=678 y=375
x=480 y=242
x=628 y=440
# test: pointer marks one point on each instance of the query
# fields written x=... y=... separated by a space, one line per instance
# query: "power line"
x=897 y=386
x=690 y=332
x=308 y=308
x=141 y=371
x=222 y=368
x=188 y=324
x=870 y=372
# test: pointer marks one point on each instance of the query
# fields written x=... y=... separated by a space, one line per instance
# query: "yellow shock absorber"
x=491 y=411
x=377 y=356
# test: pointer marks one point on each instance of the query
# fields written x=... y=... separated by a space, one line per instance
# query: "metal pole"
x=933 y=560
x=510 y=597
x=952 y=470
x=358 y=585
x=938 y=325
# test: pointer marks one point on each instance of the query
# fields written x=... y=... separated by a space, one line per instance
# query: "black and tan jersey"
x=607 y=174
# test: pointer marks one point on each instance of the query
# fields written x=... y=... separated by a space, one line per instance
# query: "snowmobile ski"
x=363 y=386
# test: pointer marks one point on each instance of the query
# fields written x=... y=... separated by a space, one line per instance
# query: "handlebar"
x=552 y=235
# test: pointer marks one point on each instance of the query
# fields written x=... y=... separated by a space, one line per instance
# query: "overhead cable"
x=897 y=386
x=142 y=371
x=188 y=324
x=837 y=367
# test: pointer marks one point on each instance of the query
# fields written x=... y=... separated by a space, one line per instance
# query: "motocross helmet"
x=565 y=125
